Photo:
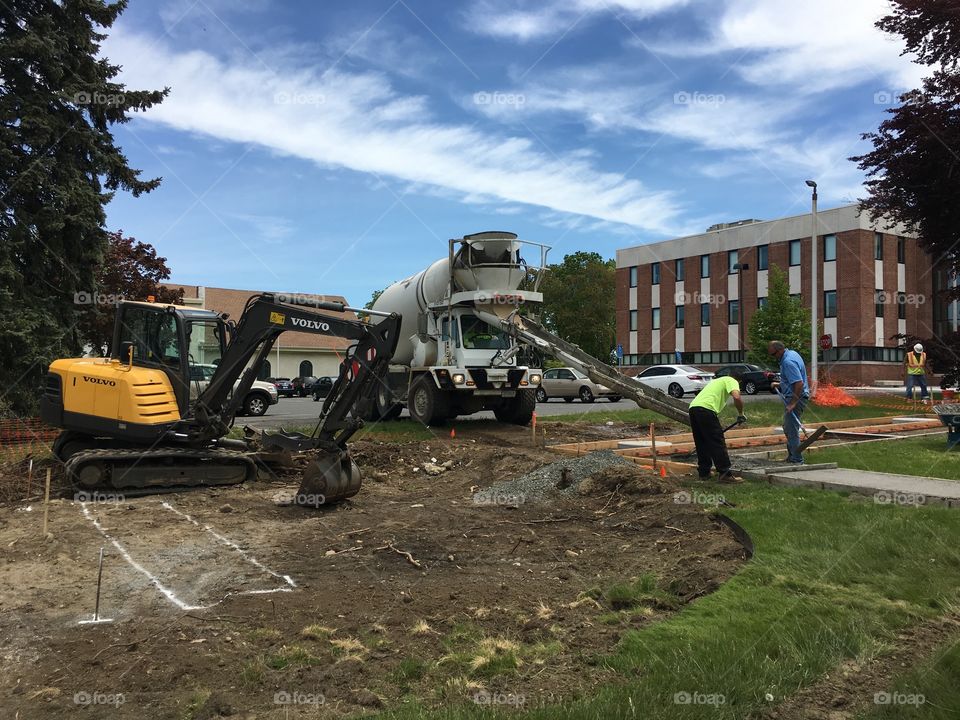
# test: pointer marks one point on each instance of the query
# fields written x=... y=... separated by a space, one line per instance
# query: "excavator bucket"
x=330 y=476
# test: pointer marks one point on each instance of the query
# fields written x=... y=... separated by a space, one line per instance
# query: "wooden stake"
x=46 y=503
x=96 y=609
x=533 y=427
x=29 y=476
x=653 y=445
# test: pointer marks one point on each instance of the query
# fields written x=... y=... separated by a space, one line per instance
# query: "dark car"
x=284 y=386
x=301 y=385
x=755 y=378
x=321 y=387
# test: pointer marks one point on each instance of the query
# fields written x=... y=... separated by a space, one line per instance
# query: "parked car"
x=321 y=387
x=755 y=378
x=302 y=384
x=675 y=380
x=259 y=398
x=284 y=386
x=569 y=384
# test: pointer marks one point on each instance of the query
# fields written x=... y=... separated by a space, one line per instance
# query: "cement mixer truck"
x=449 y=361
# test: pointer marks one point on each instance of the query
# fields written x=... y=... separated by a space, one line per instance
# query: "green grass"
x=760 y=413
x=833 y=578
x=926 y=455
x=928 y=692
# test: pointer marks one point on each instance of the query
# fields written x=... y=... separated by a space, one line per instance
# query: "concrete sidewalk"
x=886 y=488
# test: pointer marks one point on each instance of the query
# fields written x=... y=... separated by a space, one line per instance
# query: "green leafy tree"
x=579 y=302
x=59 y=167
x=782 y=318
x=913 y=169
x=132 y=270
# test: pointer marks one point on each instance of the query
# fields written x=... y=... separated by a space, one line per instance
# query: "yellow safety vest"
x=914 y=366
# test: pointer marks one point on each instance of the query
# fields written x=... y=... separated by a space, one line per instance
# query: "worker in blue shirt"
x=794 y=391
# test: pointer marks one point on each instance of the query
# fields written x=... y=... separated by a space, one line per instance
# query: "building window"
x=655 y=318
x=655 y=274
x=763 y=257
x=704 y=266
x=878 y=303
x=830 y=304
x=733 y=259
x=794 y=252
x=633 y=319
x=829 y=248
x=878 y=246
x=762 y=302
x=679 y=316
x=264 y=372
x=705 y=315
x=901 y=306
x=633 y=277
x=306 y=368
x=901 y=249
x=733 y=312
x=678 y=268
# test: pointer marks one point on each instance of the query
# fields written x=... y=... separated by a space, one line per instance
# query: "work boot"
x=728 y=478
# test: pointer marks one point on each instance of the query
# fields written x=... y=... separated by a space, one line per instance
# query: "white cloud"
x=358 y=121
x=525 y=21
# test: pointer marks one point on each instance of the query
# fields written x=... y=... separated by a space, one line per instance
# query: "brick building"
x=874 y=281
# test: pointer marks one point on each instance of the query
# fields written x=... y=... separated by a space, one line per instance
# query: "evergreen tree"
x=59 y=167
x=782 y=318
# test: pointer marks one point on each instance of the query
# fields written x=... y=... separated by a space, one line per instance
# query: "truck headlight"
x=458 y=379
x=535 y=379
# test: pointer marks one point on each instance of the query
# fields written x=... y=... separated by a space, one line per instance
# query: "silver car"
x=569 y=384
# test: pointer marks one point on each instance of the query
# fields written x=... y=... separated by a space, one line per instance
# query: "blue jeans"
x=791 y=428
x=916 y=381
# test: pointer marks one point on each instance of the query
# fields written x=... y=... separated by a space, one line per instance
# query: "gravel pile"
x=536 y=485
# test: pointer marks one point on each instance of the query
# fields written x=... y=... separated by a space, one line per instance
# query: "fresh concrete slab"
x=632 y=444
x=886 y=488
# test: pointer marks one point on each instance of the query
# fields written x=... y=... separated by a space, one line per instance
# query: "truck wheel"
x=387 y=409
x=518 y=409
x=427 y=403
x=256 y=405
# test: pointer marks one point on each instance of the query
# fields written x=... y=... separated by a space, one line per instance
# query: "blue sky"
x=333 y=147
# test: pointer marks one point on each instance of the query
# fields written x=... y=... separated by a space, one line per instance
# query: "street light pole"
x=813 y=289
x=740 y=267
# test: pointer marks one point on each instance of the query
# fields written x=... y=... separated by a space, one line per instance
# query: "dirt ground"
x=225 y=603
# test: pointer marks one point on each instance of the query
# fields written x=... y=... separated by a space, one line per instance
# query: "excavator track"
x=148 y=471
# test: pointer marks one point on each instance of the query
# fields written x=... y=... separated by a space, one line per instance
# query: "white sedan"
x=675 y=380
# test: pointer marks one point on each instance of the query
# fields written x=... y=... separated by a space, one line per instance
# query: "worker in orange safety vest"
x=916 y=363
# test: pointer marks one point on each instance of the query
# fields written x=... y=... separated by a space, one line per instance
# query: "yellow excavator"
x=134 y=423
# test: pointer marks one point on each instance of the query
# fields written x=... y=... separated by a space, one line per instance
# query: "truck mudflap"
x=532 y=333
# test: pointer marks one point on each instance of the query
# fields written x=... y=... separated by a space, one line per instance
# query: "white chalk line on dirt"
x=167 y=592
x=243 y=553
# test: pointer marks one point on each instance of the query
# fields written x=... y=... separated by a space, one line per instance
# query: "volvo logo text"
x=311 y=324
x=99 y=381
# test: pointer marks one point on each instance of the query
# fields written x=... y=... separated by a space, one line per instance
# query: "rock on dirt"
x=540 y=483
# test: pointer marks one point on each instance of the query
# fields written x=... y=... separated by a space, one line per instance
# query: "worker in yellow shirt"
x=916 y=363
x=707 y=431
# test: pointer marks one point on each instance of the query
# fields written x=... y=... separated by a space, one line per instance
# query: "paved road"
x=303 y=411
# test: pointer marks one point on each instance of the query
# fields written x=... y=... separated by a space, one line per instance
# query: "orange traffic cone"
x=453 y=432
x=663 y=471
